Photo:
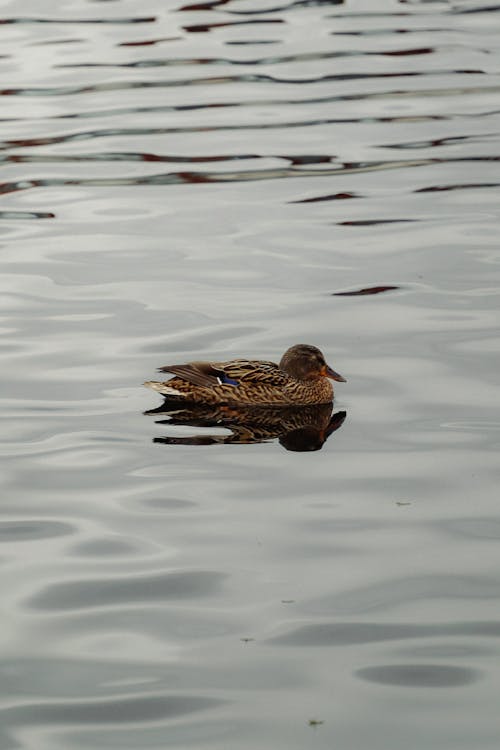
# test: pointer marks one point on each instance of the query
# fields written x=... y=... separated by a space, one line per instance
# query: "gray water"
x=207 y=180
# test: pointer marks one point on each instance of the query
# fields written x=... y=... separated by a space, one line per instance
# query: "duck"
x=301 y=378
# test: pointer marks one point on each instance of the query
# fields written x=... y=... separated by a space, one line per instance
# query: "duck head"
x=305 y=362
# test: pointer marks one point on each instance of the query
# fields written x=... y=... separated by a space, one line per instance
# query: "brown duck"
x=301 y=378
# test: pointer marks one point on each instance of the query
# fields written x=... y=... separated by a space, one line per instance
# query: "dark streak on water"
x=372 y=222
x=365 y=291
x=333 y=197
x=203 y=28
x=78 y=21
x=256 y=61
x=464 y=186
x=176 y=178
x=26 y=215
x=265 y=79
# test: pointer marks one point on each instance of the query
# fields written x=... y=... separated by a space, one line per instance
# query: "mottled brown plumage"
x=302 y=377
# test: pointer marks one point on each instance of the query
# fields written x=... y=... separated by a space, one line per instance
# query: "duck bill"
x=329 y=373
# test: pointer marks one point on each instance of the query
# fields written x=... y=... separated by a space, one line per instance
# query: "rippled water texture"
x=227 y=178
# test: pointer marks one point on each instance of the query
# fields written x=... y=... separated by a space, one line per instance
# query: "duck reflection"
x=299 y=428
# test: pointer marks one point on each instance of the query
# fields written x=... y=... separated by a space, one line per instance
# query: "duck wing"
x=211 y=374
x=204 y=374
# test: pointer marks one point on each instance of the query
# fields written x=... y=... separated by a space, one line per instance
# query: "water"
x=210 y=180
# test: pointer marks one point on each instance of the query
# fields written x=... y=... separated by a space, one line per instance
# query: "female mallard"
x=301 y=378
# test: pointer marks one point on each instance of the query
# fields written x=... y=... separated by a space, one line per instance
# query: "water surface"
x=220 y=179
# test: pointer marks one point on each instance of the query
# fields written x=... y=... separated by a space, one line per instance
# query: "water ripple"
x=394 y=592
x=43 y=91
x=103 y=592
x=256 y=61
x=251 y=175
x=419 y=675
x=141 y=708
x=353 y=633
x=79 y=21
x=21 y=531
x=26 y=215
x=163 y=596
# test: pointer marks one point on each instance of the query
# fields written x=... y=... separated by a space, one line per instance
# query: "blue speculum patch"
x=226 y=380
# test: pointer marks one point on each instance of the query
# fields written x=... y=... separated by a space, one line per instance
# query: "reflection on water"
x=304 y=428
x=191 y=179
